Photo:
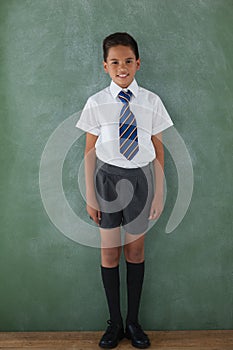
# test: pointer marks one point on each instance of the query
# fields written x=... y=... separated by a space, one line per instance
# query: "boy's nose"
x=122 y=65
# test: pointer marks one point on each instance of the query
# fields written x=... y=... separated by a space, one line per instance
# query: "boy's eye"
x=114 y=62
x=129 y=61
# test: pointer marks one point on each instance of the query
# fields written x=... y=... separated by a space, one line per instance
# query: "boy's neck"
x=124 y=88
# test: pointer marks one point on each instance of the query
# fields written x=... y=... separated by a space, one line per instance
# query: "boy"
x=123 y=125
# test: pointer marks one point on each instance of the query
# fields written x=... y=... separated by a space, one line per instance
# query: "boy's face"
x=121 y=65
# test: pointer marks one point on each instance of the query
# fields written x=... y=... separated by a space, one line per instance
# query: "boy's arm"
x=157 y=203
x=90 y=165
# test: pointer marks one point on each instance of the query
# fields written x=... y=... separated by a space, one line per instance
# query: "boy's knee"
x=134 y=255
x=110 y=257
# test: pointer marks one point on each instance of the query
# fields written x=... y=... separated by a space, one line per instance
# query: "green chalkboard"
x=50 y=63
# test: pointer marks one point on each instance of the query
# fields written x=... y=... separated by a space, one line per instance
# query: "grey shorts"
x=124 y=196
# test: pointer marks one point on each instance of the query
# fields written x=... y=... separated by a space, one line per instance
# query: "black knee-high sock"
x=135 y=276
x=111 y=282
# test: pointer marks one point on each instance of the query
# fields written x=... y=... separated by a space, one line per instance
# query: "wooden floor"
x=166 y=340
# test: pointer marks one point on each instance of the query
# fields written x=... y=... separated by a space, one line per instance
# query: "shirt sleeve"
x=161 y=119
x=88 y=119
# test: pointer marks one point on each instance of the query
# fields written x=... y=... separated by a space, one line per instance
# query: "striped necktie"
x=127 y=127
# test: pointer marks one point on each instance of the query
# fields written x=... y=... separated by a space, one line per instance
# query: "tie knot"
x=125 y=96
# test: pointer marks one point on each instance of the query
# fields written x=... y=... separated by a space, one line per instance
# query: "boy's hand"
x=156 y=207
x=94 y=213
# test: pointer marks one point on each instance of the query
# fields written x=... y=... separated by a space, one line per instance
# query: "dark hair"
x=119 y=39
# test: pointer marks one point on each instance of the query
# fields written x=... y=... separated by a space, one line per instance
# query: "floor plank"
x=160 y=340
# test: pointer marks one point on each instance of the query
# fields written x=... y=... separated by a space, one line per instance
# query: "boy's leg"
x=134 y=255
x=110 y=256
x=110 y=246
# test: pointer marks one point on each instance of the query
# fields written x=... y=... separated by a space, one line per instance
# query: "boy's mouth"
x=122 y=75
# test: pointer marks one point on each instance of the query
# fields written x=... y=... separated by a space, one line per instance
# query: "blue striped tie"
x=127 y=127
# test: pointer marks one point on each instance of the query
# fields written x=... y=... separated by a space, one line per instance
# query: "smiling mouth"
x=123 y=75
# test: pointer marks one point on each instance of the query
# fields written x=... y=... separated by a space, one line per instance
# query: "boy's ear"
x=138 y=62
x=105 y=66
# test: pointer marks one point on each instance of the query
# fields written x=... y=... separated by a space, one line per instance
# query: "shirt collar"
x=115 y=89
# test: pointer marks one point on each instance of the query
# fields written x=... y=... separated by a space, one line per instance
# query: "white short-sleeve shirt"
x=100 y=117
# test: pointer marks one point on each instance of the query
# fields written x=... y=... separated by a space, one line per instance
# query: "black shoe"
x=112 y=336
x=138 y=338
